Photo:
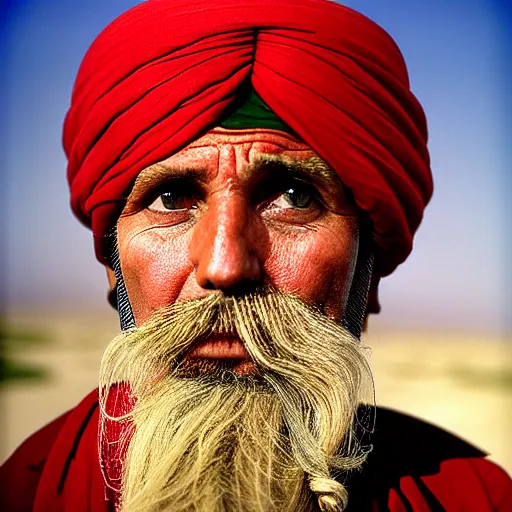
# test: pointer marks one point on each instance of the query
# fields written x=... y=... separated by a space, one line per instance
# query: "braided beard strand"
x=209 y=440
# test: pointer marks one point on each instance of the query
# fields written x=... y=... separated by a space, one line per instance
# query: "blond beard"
x=219 y=442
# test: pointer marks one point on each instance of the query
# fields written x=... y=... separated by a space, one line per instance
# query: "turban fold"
x=166 y=71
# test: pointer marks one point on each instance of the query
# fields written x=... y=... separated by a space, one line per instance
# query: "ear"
x=112 y=292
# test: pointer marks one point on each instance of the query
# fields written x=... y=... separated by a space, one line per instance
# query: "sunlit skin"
x=231 y=211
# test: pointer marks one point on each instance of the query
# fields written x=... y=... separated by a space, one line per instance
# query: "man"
x=250 y=169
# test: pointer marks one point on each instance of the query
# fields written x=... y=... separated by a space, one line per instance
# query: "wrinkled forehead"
x=246 y=147
x=242 y=154
x=279 y=138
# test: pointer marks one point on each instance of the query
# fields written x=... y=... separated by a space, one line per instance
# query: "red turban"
x=164 y=72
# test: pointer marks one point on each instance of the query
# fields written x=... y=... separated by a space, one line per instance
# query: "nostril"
x=242 y=289
x=208 y=285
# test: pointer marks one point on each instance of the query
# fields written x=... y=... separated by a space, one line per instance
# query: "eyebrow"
x=160 y=173
x=313 y=167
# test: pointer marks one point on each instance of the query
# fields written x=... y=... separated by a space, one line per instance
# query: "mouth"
x=222 y=351
x=219 y=347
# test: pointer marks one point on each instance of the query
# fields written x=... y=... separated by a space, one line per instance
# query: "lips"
x=224 y=348
x=217 y=347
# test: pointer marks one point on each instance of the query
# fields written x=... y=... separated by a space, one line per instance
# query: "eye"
x=175 y=197
x=299 y=196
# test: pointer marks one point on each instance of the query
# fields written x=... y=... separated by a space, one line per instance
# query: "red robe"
x=414 y=466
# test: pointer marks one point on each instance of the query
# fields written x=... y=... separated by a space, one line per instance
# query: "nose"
x=224 y=248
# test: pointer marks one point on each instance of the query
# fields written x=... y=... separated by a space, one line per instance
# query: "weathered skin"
x=235 y=228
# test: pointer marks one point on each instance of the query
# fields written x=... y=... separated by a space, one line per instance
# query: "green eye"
x=177 y=196
x=298 y=197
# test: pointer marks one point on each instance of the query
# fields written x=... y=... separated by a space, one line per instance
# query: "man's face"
x=234 y=210
x=242 y=391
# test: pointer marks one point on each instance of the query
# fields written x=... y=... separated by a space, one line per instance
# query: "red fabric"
x=461 y=485
x=72 y=480
x=20 y=474
x=165 y=71
x=486 y=486
x=68 y=477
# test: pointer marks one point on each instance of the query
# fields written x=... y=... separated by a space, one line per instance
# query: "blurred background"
x=440 y=349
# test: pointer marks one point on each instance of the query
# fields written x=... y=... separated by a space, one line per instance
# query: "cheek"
x=317 y=265
x=154 y=269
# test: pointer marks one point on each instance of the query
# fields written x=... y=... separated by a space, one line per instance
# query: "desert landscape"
x=462 y=383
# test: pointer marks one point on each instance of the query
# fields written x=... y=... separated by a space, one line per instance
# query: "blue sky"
x=458 y=55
